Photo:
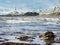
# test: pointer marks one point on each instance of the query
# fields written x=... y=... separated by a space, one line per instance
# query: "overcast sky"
x=25 y=5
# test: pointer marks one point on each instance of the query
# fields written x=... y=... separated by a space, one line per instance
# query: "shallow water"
x=20 y=23
x=17 y=24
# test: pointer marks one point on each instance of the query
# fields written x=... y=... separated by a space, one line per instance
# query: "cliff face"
x=53 y=10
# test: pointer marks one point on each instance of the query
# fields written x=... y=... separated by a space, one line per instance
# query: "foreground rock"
x=10 y=43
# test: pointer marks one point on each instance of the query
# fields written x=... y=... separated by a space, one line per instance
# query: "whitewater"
x=28 y=23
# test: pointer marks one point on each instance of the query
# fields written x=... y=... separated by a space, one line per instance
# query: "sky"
x=27 y=5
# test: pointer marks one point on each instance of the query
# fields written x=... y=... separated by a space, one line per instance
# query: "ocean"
x=9 y=25
x=27 y=23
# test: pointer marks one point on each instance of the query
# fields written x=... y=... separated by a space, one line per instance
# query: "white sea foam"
x=37 y=20
x=25 y=23
x=16 y=21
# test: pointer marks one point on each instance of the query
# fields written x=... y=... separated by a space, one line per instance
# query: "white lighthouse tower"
x=15 y=12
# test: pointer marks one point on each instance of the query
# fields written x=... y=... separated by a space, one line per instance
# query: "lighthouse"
x=15 y=12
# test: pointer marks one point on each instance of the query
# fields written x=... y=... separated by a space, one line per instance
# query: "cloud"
x=27 y=5
x=55 y=0
x=8 y=1
x=6 y=9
